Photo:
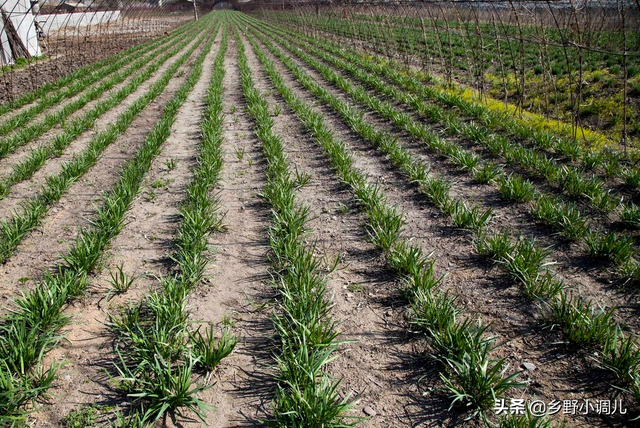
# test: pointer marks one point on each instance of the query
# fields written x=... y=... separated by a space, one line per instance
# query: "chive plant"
x=12 y=230
x=307 y=396
x=523 y=260
x=158 y=351
x=29 y=331
x=37 y=157
x=459 y=345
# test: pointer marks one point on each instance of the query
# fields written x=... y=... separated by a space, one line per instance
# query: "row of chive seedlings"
x=60 y=85
x=306 y=396
x=15 y=228
x=158 y=350
x=32 y=328
x=548 y=209
x=25 y=169
x=30 y=133
x=82 y=83
x=460 y=345
x=564 y=217
x=611 y=160
x=584 y=325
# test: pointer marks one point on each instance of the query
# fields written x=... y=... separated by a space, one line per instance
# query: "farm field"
x=574 y=71
x=241 y=224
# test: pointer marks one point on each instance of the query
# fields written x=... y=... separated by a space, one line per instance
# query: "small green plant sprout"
x=563 y=216
x=208 y=350
x=582 y=323
x=82 y=417
x=497 y=246
x=240 y=151
x=631 y=216
x=158 y=184
x=514 y=188
x=133 y=420
x=171 y=164
x=474 y=381
x=167 y=388
x=233 y=109
x=228 y=320
x=120 y=281
x=526 y=421
x=621 y=355
x=302 y=178
x=332 y=263
x=469 y=218
x=356 y=287
x=432 y=311
x=236 y=119
x=343 y=208
x=485 y=173
x=632 y=177
x=277 y=109
x=610 y=246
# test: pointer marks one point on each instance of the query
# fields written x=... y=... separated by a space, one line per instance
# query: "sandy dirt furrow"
x=238 y=292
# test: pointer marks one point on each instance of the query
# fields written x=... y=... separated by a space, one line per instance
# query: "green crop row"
x=33 y=327
x=80 y=84
x=71 y=131
x=25 y=135
x=80 y=73
x=307 y=396
x=611 y=162
x=157 y=349
x=13 y=230
x=547 y=209
x=538 y=74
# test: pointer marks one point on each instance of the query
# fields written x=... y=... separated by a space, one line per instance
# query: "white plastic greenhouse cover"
x=19 y=12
